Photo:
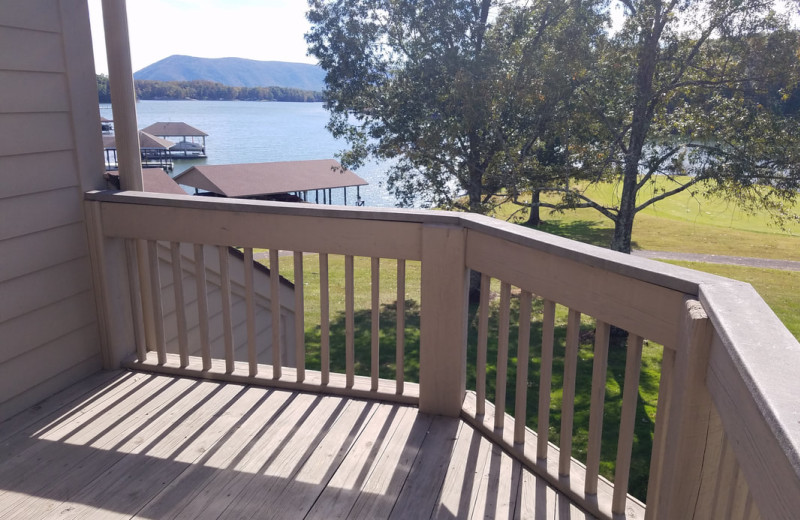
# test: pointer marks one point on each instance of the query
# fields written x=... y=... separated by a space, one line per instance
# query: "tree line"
x=480 y=101
x=207 y=90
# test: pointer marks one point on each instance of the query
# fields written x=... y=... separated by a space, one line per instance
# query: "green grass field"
x=680 y=223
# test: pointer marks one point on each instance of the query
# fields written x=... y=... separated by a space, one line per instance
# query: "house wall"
x=50 y=153
x=262 y=314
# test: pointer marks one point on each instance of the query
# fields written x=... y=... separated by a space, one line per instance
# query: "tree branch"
x=670 y=193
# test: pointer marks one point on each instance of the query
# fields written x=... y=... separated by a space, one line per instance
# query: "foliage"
x=103 y=91
x=700 y=92
x=461 y=95
x=207 y=90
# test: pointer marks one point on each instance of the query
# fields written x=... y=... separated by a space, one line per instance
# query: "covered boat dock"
x=190 y=142
x=286 y=180
x=154 y=151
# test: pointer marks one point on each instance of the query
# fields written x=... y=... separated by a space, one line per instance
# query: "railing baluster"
x=227 y=319
x=750 y=512
x=545 y=378
x=202 y=304
x=376 y=326
x=596 y=409
x=180 y=304
x=249 y=291
x=299 y=318
x=158 y=308
x=630 y=395
x=658 y=454
x=523 y=358
x=401 y=326
x=324 y=319
x=483 y=340
x=136 y=300
x=275 y=310
x=349 y=304
x=502 y=355
x=146 y=284
x=568 y=391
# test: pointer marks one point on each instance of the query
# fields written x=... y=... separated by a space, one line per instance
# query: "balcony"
x=224 y=410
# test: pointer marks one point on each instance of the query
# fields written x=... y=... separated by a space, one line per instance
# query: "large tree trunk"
x=623 y=225
x=534 y=219
x=640 y=127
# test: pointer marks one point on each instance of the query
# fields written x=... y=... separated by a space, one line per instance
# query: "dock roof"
x=146 y=141
x=174 y=129
x=154 y=180
x=255 y=179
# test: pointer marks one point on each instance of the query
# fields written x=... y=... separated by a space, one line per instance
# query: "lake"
x=252 y=131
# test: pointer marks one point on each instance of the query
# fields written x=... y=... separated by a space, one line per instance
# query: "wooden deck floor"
x=138 y=445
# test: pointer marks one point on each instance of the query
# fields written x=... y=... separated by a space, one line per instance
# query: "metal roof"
x=174 y=129
x=155 y=180
x=254 y=179
x=146 y=141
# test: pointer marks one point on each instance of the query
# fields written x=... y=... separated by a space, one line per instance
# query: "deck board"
x=157 y=446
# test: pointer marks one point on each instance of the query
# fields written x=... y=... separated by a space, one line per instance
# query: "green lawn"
x=680 y=223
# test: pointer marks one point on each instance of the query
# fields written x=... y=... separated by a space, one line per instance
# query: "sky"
x=269 y=30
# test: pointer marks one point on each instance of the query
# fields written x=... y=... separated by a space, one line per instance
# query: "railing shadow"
x=648 y=388
x=363 y=342
x=648 y=385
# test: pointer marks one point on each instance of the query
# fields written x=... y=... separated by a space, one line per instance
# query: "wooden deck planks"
x=156 y=446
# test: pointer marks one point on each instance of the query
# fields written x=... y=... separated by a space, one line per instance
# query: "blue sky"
x=255 y=29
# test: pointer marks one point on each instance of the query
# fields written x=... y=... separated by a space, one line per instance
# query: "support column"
x=123 y=95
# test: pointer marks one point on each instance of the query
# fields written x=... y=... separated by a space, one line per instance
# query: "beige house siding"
x=262 y=314
x=50 y=153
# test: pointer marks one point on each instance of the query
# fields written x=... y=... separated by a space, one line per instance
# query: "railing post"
x=119 y=331
x=443 y=320
x=677 y=468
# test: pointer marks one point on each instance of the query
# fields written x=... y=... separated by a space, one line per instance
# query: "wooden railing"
x=727 y=427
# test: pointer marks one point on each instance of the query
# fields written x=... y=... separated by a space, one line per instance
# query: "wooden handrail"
x=720 y=339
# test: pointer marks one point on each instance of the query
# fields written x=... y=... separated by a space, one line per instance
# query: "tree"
x=697 y=92
x=459 y=96
x=103 y=90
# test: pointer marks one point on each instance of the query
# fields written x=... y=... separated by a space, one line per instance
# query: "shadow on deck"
x=130 y=444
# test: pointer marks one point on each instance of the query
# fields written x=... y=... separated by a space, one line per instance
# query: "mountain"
x=236 y=72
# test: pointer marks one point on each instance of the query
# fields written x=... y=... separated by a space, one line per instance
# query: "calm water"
x=250 y=131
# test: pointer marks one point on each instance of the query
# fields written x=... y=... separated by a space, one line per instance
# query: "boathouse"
x=284 y=180
x=189 y=141
x=155 y=151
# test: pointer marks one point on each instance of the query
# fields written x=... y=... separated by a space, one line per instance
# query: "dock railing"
x=726 y=439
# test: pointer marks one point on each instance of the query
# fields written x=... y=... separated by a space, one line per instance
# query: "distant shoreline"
x=201 y=90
